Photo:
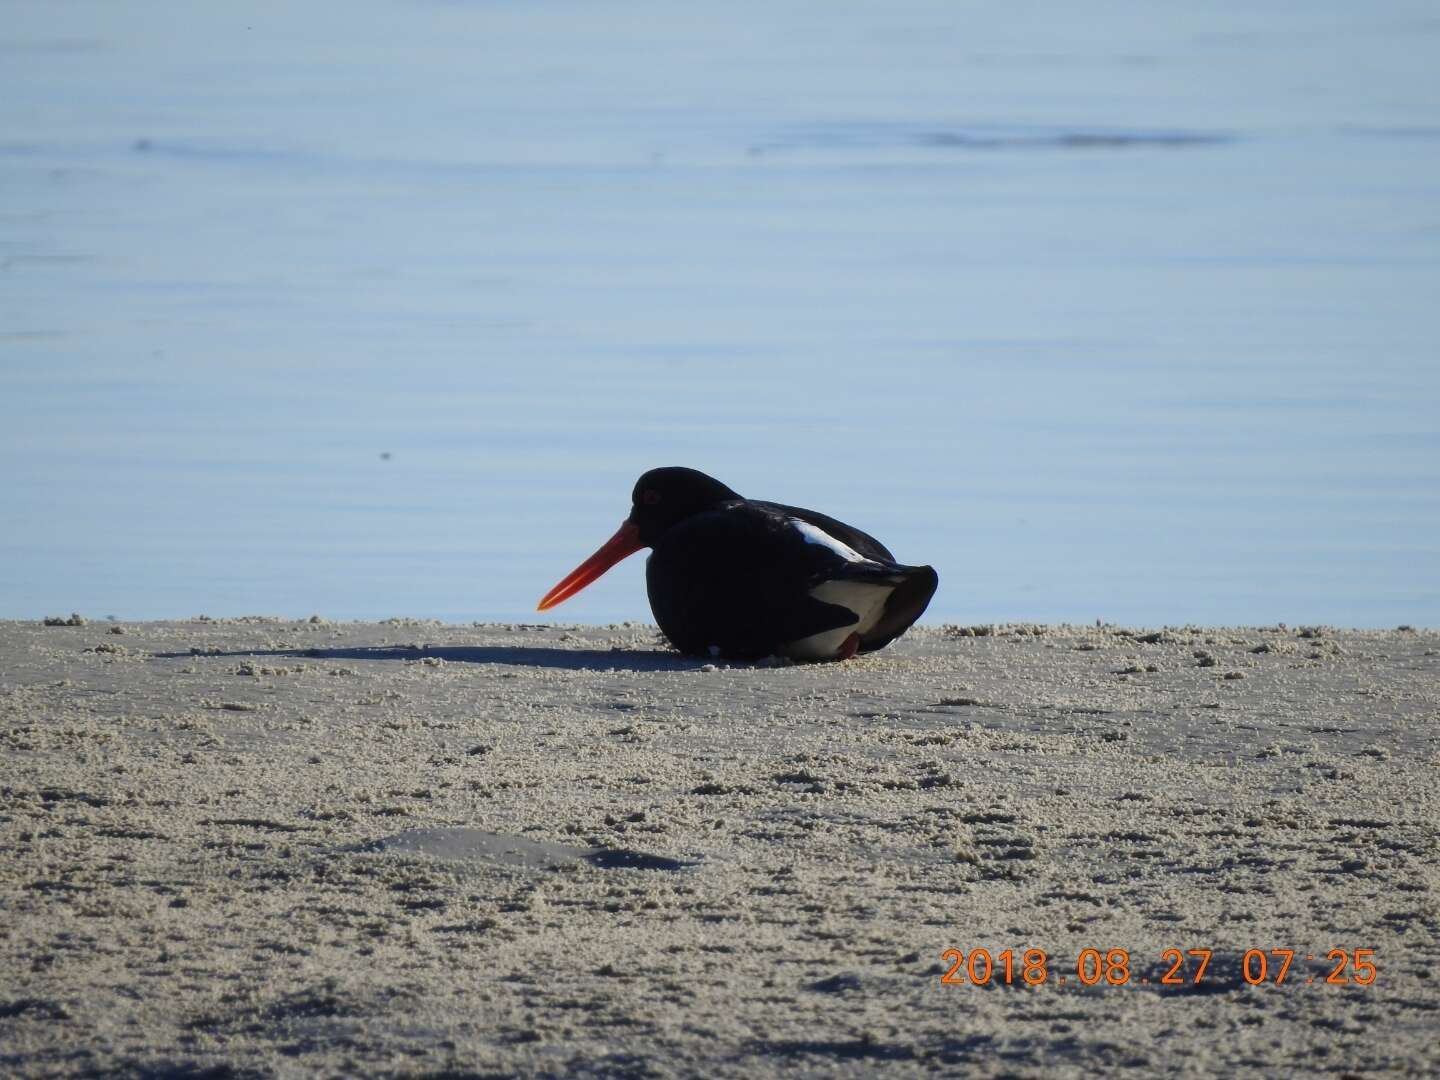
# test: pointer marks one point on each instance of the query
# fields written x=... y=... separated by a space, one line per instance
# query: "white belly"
x=866 y=600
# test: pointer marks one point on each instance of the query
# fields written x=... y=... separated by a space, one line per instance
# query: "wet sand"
x=246 y=848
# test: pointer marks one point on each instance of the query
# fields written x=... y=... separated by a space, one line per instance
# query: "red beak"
x=626 y=541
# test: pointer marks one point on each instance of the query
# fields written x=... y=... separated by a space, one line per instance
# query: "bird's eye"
x=649 y=496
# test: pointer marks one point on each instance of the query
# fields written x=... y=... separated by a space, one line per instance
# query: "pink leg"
x=849 y=647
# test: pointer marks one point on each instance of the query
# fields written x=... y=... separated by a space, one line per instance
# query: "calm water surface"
x=1126 y=313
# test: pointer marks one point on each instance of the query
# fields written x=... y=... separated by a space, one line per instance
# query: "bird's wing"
x=862 y=542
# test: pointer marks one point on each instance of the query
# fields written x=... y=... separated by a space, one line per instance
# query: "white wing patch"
x=816 y=535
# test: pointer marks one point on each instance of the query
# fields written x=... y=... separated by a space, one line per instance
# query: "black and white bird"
x=743 y=579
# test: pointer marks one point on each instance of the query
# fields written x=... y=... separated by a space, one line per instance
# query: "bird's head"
x=662 y=498
x=665 y=497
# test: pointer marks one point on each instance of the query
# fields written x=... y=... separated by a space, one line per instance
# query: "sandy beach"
x=259 y=847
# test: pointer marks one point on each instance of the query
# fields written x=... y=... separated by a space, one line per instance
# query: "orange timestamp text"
x=1176 y=967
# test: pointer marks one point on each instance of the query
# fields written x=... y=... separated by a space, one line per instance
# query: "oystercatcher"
x=743 y=579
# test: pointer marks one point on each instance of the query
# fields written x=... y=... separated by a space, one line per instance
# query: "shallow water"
x=379 y=308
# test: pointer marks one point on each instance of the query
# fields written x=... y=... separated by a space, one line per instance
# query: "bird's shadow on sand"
x=517 y=655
